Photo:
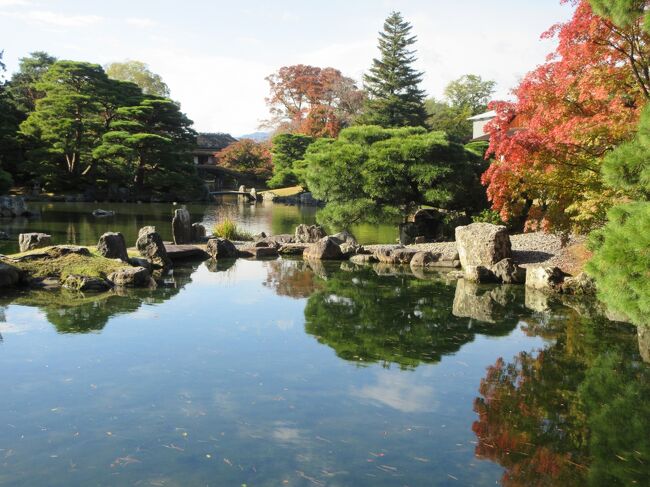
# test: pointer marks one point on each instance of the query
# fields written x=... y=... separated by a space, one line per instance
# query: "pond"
x=271 y=373
x=74 y=222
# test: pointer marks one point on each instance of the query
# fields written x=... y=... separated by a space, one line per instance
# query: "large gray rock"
x=348 y=244
x=9 y=275
x=151 y=247
x=198 y=232
x=508 y=272
x=222 y=248
x=182 y=227
x=309 y=233
x=482 y=244
x=112 y=246
x=86 y=283
x=325 y=249
x=547 y=279
x=31 y=241
x=131 y=277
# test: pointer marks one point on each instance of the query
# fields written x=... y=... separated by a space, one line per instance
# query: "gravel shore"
x=529 y=249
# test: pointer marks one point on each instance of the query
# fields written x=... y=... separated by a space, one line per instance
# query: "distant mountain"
x=256 y=136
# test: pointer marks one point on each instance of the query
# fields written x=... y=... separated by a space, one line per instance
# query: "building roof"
x=483 y=116
x=214 y=141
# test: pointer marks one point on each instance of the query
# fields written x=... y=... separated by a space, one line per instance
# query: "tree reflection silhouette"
x=575 y=413
x=394 y=319
x=74 y=312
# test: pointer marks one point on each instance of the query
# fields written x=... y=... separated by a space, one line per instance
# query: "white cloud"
x=53 y=18
x=141 y=22
x=14 y=3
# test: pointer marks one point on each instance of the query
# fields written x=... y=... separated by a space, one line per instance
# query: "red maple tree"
x=311 y=100
x=583 y=101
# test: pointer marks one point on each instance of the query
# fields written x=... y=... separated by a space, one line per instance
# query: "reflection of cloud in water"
x=285 y=325
x=400 y=391
x=287 y=435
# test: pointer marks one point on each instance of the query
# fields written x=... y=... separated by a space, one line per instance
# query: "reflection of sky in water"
x=220 y=385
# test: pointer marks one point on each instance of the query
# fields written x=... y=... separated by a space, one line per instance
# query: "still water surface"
x=267 y=373
x=74 y=222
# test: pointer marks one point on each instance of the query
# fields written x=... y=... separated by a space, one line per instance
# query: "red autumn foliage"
x=311 y=100
x=549 y=143
x=247 y=156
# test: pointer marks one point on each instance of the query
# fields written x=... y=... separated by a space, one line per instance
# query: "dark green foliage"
x=623 y=12
x=627 y=168
x=87 y=131
x=464 y=97
x=9 y=121
x=392 y=319
x=451 y=120
x=621 y=262
x=23 y=83
x=373 y=174
x=288 y=150
x=615 y=396
x=392 y=84
x=152 y=141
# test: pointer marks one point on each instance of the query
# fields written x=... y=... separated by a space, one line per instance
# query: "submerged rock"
x=395 y=256
x=258 y=252
x=131 y=277
x=9 y=275
x=363 y=259
x=31 y=241
x=86 y=283
x=112 y=246
x=482 y=244
x=222 y=248
x=99 y=213
x=293 y=248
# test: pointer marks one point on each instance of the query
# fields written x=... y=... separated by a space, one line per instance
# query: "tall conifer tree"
x=395 y=98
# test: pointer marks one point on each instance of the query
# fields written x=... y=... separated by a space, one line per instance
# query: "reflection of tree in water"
x=576 y=413
x=394 y=319
x=291 y=278
x=73 y=312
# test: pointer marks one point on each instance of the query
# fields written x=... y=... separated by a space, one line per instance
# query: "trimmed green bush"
x=621 y=262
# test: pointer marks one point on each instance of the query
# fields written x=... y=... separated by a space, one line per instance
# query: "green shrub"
x=488 y=216
x=621 y=261
x=228 y=229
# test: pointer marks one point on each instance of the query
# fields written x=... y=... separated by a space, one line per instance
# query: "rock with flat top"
x=325 y=249
x=131 y=277
x=482 y=244
x=31 y=241
x=546 y=279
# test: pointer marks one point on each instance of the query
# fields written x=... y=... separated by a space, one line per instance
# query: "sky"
x=214 y=55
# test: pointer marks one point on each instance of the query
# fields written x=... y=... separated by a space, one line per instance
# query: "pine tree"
x=395 y=99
